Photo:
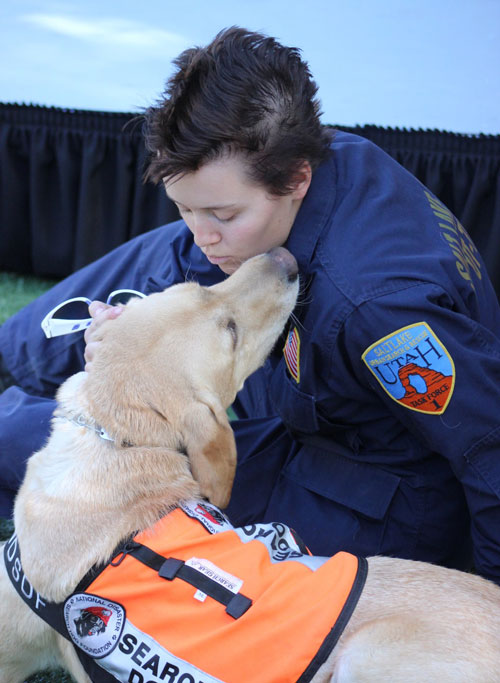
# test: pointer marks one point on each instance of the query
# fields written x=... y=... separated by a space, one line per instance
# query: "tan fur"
x=166 y=371
x=417 y=622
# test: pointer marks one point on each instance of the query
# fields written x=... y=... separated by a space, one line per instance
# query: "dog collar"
x=81 y=420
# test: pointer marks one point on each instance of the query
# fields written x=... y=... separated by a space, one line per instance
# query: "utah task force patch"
x=94 y=623
x=414 y=368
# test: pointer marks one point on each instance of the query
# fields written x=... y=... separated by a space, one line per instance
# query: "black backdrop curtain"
x=71 y=185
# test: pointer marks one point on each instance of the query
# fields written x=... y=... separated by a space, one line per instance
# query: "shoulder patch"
x=291 y=351
x=414 y=368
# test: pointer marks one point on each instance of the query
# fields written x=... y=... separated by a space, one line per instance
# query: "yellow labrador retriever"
x=147 y=431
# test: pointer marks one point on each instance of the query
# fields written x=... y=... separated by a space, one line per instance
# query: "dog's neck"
x=80 y=419
x=114 y=492
x=72 y=407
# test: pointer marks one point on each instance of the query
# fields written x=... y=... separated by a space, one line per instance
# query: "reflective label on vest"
x=140 y=659
x=210 y=570
x=279 y=542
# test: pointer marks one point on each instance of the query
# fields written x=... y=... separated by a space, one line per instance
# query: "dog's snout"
x=286 y=262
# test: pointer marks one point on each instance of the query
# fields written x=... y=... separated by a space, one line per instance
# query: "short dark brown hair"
x=243 y=93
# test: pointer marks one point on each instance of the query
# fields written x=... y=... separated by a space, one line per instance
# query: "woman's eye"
x=224 y=219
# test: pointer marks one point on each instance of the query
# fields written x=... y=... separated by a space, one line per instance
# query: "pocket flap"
x=356 y=485
x=296 y=408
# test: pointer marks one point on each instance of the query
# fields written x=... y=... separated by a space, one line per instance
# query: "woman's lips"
x=217 y=260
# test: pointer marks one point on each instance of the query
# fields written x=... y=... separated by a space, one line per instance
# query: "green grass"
x=6 y=529
x=18 y=290
x=15 y=292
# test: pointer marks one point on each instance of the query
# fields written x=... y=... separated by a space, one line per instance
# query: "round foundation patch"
x=94 y=624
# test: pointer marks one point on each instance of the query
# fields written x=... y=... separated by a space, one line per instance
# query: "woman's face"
x=231 y=217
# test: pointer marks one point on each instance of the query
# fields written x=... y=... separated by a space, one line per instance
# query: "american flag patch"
x=291 y=351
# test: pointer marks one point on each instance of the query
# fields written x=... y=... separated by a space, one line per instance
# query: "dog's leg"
x=71 y=662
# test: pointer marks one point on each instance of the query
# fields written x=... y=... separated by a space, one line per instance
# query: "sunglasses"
x=72 y=315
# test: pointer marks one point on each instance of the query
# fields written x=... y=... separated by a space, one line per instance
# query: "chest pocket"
x=296 y=408
x=336 y=503
x=357 y=486
x=299 y=412
x=329 y=463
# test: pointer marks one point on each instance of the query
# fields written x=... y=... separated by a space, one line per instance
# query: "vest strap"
x=51 y=612
x=171 y=568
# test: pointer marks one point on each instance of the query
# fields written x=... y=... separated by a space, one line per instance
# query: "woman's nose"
x=203 y=232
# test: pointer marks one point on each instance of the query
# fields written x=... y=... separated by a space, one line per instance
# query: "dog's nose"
x=286 y=261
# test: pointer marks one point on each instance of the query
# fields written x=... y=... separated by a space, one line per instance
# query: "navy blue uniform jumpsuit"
x=374 y=427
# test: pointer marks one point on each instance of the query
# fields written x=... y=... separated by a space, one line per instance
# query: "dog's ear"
x=211 y=448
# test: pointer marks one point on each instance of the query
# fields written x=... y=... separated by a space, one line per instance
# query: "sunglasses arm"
x=56 y=327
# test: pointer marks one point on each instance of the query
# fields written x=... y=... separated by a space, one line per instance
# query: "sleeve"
x=438 y=372
x=148 y=263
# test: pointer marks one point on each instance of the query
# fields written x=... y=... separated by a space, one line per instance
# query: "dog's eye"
x=231 y=326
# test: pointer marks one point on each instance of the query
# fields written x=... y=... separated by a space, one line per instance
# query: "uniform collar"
x=313 y=214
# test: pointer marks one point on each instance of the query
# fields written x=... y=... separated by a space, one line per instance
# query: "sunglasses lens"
x=74 y=310
x=121 y=297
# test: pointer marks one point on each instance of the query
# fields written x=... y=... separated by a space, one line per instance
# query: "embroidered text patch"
x=210 y=516
x=414 y=368
x=94 y=623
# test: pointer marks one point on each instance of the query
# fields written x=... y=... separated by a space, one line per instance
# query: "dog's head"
x=170 y=365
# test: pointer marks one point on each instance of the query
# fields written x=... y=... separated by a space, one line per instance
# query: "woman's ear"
x=301 y=180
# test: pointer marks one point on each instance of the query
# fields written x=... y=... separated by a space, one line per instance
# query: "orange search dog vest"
x=195 y=600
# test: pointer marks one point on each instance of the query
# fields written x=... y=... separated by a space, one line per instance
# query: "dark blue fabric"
x=334 y=455
x=24 y=426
